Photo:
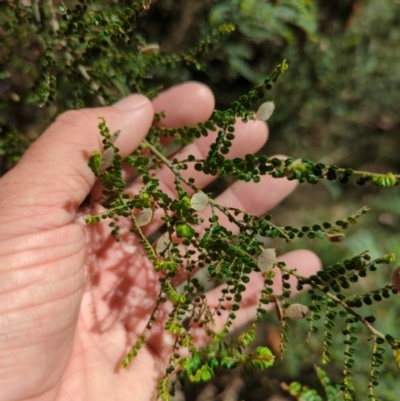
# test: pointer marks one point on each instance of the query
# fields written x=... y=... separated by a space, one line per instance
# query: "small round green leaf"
x=184 y=231
x=95 y=162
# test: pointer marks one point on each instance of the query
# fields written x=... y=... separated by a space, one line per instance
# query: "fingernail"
x=132 y=102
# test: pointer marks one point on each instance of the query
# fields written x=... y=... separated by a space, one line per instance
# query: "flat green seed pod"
x=396 y=279
x=199 y=201
x=145 y=216
x=107 y=159
x=163 y=244
x=266 y=259
x=296 y=311
x=265 y=111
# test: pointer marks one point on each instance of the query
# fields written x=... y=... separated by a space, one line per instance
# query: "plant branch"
x=343 y=304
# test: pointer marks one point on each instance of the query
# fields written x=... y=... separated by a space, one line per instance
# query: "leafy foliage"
x=303 y=393
x=234 y=258
x=102 y=50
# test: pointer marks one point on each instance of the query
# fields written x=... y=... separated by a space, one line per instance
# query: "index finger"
x=185 y=104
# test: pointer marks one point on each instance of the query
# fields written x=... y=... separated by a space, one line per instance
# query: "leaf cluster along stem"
x=393 y=343
x=228 y=258
x=223 y=209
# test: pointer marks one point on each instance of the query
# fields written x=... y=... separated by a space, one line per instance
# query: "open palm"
x=72 y=300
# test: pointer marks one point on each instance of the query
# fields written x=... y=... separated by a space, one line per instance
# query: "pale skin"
x=72 y=300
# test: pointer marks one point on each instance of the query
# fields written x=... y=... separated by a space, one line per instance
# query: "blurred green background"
x=338 y=103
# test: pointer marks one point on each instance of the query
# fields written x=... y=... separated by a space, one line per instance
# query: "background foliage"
x=337 y=104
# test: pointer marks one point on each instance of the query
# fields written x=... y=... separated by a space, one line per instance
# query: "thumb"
x=52 y=179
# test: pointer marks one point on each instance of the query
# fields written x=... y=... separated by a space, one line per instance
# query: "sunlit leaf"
x=184 y=231
x=95 y=162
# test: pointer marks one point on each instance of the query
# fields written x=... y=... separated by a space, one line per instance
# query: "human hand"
x=72 y=300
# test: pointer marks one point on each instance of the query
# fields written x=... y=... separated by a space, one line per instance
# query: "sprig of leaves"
x=230 y=258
